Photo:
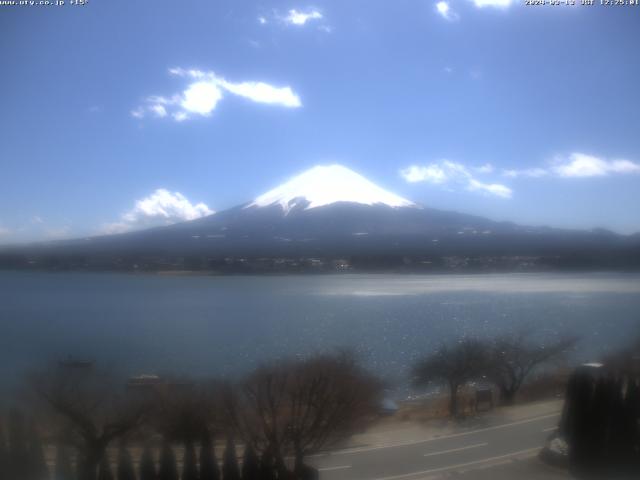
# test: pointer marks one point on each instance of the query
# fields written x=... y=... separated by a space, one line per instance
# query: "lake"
x=223 y=326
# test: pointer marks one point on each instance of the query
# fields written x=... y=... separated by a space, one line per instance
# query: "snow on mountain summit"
x=324 y=185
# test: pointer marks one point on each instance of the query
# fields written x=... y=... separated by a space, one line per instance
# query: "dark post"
x=147 y=465
x=230 y=470
x=208 y=464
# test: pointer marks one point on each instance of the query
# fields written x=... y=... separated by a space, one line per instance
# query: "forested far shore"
x=574 y=261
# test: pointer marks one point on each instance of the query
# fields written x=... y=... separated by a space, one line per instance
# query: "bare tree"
x=262 y=416
x=329 y=398
x=91 y=407
x=512 y=358
x=453 y=366
x=299 y=407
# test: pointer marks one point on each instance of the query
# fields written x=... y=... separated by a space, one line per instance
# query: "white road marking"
x=433 y=439
x=451 y=450
x=328 y=469
x=549 y=429
x=459 y=465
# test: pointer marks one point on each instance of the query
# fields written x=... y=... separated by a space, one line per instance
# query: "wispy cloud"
x=496 y=189
x=527 y=172
x=453 y=174
x=578 y=165
x=206 y=90
x=159 y=110
x=486 y=168
x=444 y=10
x=162 y=207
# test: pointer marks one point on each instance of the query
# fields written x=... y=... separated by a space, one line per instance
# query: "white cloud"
x=264 y=93
x=430 y=174
x=4 y=232
x=202 y=96
x=162 y=207
x=296 y=17
x=578 y=165
x=583 y=165
x=444 y=10
x=447 y=173
x=492 y=3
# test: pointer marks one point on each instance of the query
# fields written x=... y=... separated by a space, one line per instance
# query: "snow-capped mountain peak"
x=327 y=184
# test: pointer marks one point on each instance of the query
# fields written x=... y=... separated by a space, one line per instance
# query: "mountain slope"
x=332 y=212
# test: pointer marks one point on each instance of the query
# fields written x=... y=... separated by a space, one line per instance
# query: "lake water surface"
x=207 y=325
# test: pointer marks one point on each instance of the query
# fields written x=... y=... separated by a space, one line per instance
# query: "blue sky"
x=529 y=114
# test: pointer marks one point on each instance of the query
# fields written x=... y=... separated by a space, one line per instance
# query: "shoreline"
x=334 y=273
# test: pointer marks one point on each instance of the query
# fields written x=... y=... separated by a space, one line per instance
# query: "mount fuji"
x=323 y=185
x=329 y=213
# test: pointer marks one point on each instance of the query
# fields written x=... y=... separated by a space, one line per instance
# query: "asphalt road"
x=456 y=452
